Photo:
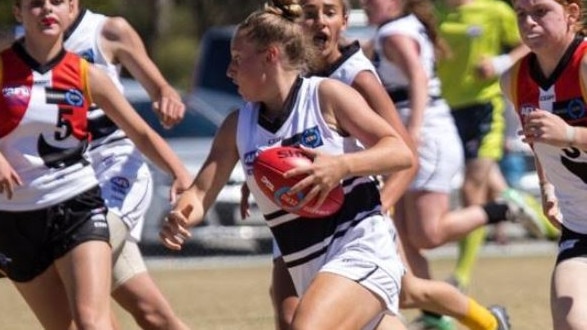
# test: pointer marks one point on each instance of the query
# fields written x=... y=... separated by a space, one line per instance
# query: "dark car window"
x=215 y=60
x=193 y=124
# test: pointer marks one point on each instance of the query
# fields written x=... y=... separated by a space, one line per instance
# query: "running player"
x=484 y=42
x=125 y=178
x=53 y=231
x=342 y=269
x=406 y=45
x=324 y=21
x=547 y=90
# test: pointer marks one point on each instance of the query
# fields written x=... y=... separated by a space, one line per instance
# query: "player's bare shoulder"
x=115 y=28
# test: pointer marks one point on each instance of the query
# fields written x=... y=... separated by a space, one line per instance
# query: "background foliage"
x=170 y=29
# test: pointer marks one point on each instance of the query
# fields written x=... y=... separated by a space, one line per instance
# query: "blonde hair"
x=278 y=22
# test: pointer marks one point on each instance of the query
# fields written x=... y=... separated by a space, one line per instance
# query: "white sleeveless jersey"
x=43 y=128
x=82 y=38
x=391 y=75
x=352 y=62
x=304 y=241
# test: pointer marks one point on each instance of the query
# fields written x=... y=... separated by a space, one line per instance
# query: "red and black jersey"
x=563 y=93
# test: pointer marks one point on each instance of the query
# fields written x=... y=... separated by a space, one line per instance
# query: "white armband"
x=501 y=63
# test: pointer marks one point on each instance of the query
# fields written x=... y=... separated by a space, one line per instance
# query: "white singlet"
x=125 y=178
x=440 y=151
x=358 y=242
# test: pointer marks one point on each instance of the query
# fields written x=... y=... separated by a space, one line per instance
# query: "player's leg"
x=45 y=295
x=390 y=322
x=28 y=264
x=568 y=297
x=127 y=189
x=444 y=299
x=86 y=274
x=137 y=293
x=359 y=281
x=85 y=258
x=283 y=294
x=336 y=302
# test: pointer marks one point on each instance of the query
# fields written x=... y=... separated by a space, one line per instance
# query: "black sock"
x=434 y=315
x=496 y=211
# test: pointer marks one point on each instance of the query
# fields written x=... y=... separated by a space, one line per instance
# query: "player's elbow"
x=403 y=157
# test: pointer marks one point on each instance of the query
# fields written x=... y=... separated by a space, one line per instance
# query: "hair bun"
x=289 y=9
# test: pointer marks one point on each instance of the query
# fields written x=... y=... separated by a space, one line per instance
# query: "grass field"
x=232 y=294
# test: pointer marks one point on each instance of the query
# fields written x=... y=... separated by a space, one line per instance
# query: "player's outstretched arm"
x=105 y=94
x=122 y=44
x=193 y=204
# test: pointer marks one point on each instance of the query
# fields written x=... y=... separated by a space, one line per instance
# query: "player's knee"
x=428 y=239
x=412 y=296
x=153 y=319
x=88 y=317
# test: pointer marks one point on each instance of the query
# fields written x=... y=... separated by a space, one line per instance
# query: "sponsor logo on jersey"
x=72 y=97
x=120 y=184
x=16 y=95
x=310 y=138
x=249 y=159
x=576 y=109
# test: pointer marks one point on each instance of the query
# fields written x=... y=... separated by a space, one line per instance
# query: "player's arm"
x=404 y=51
x=105 y=94
x=193 y=204
x=492 y=67
x=395 y=184
x=345 y=110
x=122 y=44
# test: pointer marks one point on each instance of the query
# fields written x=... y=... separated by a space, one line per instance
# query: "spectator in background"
x=477 y=32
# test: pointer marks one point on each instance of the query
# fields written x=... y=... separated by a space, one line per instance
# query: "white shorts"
x=366 y=254
x=126 y=182
x=440 y=152
x=441 y=157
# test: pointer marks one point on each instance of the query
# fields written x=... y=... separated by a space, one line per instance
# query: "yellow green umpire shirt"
x=481 y=28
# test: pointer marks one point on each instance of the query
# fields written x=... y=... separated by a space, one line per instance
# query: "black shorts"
x=571 y=245
x=31 y=241
x=481 y=128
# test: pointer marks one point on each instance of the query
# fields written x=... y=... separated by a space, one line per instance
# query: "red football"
x=268 y=171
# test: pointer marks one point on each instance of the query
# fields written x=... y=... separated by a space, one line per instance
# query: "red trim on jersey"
x=65 y=76
x=15 y=96
x=568 y=86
